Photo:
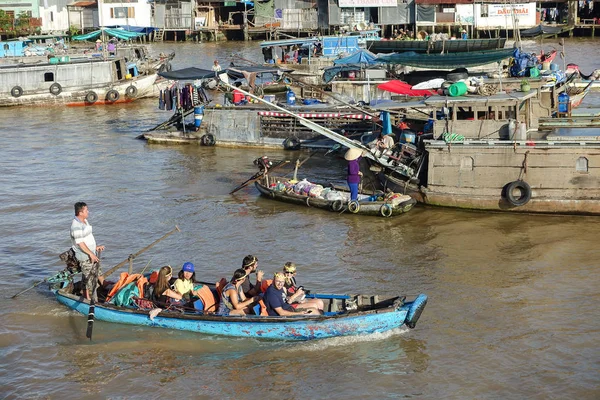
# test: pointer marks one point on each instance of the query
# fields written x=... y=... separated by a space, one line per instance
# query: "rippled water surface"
x=513 y=298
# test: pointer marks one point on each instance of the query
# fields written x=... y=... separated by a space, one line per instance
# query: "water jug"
x=563 y=103
x=291 y=97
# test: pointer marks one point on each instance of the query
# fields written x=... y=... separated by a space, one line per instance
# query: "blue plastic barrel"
x=291 y=97
x=563 y=102
x=198 y=115
x=408 y=136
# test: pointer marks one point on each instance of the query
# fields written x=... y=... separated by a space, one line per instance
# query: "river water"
x=513 y=298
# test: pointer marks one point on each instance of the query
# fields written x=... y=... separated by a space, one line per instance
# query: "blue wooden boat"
x=346 y=315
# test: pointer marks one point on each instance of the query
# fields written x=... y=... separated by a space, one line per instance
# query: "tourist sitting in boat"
x=163 y=295
x=184 y=284
x=275 y=297
x=296 y=294
x=250 y=265
x=233 y=301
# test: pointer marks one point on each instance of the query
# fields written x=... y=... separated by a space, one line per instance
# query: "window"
x=484 y=10
x=51 y=15
x=49 y=77
x=122 y=12
x=582 y=165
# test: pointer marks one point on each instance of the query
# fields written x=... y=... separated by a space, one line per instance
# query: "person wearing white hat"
x=353 y=156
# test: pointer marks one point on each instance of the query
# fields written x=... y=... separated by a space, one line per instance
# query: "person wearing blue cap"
x=184 y=284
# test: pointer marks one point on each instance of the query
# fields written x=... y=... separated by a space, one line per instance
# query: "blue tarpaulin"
x=112 y=32
x=360 y=57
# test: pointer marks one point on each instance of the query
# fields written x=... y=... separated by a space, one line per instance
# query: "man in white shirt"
x=84 y=245
x=216 y=67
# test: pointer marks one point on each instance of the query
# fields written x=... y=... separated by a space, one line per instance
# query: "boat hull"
x=294 y=328
x=448 y=46
x=373 y=208
x=476 y=175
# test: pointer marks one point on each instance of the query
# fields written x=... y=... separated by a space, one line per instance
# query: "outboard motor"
x=263 y=163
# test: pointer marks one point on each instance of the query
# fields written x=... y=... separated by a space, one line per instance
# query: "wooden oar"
x=29 y=288
x=259 y=175
x=132 y=256
x=90 y=325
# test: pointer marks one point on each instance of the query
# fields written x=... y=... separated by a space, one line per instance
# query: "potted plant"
x=525 y=86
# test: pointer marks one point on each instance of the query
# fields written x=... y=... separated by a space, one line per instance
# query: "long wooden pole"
x=133 y=256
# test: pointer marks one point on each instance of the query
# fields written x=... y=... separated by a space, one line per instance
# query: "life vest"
x=264 y=285
x=208 y=298
x=126 y=279
x=220 y=285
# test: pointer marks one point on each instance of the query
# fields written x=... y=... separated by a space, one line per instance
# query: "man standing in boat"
x=84 y=245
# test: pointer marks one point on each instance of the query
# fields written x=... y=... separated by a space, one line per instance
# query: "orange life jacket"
x=208 y=298
x=264 y=285
x=124 y=280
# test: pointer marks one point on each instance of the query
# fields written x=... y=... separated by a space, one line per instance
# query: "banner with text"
x=367 y=3
x=500 y=10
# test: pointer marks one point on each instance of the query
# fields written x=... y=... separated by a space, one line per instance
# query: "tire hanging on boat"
x=131 y=91
x=91 y=97
x=112 y=95
x=408 y=207
x=291 y=143
x=208 y=139
x=337 y=205
x=518 y=193
x=386 y=210
x=354 y=207
x=55 y=88
x=17 y=91
x=307 y=201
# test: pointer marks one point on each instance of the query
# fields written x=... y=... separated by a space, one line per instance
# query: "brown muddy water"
x=513 y=309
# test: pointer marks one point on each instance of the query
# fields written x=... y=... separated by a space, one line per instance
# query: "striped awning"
x=315 y=115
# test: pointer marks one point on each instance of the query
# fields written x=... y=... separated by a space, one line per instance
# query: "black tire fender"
x=291 y=143
x=517 y=193
x=91 y=97
x=456 y=76
x=354 y=207
x=386 y=210
x=208 y=139
x=55 y=88
x=131 y=91
x=337 y=205
x=17 y=91
x=112 y=95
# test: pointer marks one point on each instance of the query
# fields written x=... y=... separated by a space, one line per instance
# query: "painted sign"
x=502 y=10
x=367 y=3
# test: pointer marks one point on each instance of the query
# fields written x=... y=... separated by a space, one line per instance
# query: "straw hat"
x=352 y=154
x=98 y=41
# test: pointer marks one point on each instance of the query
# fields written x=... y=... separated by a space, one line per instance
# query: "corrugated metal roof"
x=83 y=4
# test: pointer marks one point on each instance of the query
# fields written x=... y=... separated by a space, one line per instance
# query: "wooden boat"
x=385 y=205
x=345 y=315
x=437 y=46
x=442 y=61
x=76 y=82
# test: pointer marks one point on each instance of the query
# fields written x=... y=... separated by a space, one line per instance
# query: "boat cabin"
x=475 y=117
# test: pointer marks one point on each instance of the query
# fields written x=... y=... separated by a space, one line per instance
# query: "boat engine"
x=263 y=163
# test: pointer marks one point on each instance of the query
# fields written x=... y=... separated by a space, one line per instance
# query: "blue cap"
x=188 y=267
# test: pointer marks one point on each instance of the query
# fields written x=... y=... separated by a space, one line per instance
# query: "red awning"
x=400 y=87
x=444 y=2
